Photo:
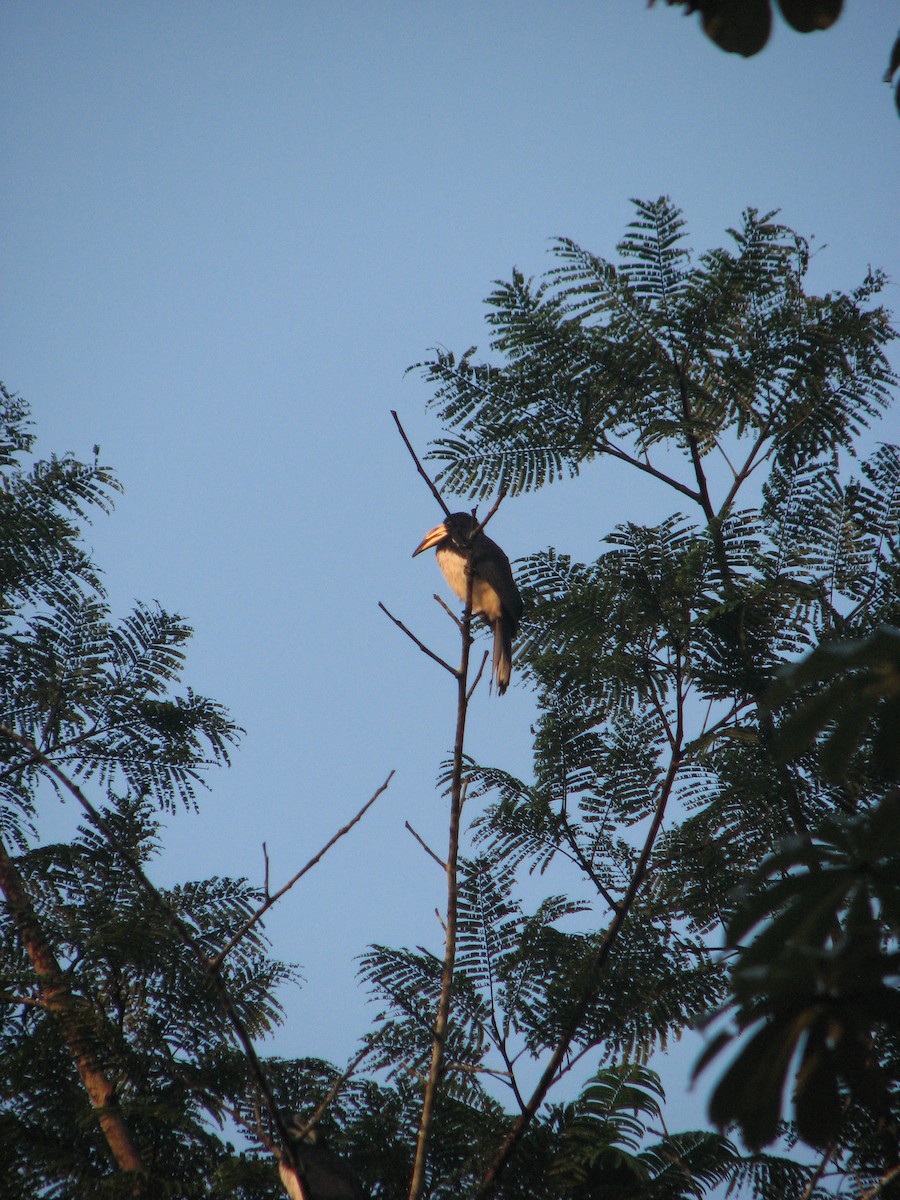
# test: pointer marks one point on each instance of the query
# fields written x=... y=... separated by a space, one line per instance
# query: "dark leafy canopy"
x=743 y=26
x=893 y=68
x=148 y=1010
x=99 y=700
x=818 y=927
x=741 y=396
x=662 y=780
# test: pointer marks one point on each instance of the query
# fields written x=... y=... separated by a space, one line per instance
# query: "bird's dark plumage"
x=325 y=1175
x=495 y=596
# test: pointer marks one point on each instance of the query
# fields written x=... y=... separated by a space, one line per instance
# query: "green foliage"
x=661 y=350
x=99 y=701
x=604 y=1149
x=93 y=694
x=146 y=1006
x=814 y=992
x=667 y=801
x=41 y=557
x=820 y=978
x=856 y=697
x=743 y=27
x=706 y=830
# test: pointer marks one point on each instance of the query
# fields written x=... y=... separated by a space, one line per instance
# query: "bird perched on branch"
x=324 y=1175
x=495 y=596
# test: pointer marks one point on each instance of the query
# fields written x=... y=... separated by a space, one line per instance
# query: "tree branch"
x=434 y=491
x=882 y=1183
x=428 y=850
x=417 y=1183
x=478 y=675
x=606 y=447
x=214 y=963
x=491 y=511
x=300 y=1131
x=421 y=645
x=59 y=999
x=494 y=1171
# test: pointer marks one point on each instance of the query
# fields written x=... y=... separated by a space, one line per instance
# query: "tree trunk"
x=58 y=999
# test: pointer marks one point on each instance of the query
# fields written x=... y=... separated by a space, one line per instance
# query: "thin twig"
x=820 y=1169
x=881 y=1184
x=587 y=866
x=421 y=645
x=464 y=1068
x=477 y=677
x=216 y=961
x=448 y=610
x=428 y=850
x=299 y=1132
x=437 y=495
x=34 y=1001
x=254 y=1128
x=500 y=498
x=605 y=447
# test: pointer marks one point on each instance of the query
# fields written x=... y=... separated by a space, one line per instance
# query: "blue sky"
x=226 y=232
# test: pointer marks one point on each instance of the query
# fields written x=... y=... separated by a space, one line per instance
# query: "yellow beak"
x=431 y=538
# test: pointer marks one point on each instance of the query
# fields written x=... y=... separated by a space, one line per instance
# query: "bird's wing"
x=491 y=564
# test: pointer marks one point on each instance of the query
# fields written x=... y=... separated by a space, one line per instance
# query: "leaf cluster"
x=145 y=1008
x=673 y=746
x=744 y=28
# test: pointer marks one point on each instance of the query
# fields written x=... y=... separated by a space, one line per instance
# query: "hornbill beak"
x=431 y=538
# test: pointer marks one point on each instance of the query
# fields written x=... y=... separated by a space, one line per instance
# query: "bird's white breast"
x=485 y=601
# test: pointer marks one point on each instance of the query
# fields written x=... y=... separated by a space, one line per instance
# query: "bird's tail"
x=502 y=667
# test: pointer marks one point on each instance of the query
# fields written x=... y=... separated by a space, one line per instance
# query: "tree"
x=660 y=784
x=720 y=833
x=127 y=1014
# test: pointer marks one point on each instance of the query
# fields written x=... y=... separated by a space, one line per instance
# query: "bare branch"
x=428 y=850
x=491 y=511
x=442 y=1018
x=606 y=447
x=300 y=1131
x=218 y=959
x=266 y=891
x=448 y=610
x=817 y=1174
x=421 y=645
x=437 y=495
x=478 y=675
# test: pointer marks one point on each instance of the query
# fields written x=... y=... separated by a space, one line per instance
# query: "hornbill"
x=324 y=1175
x=494 y=593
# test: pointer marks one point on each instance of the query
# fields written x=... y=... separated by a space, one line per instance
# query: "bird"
x=495 y=596
x=325 y=1176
